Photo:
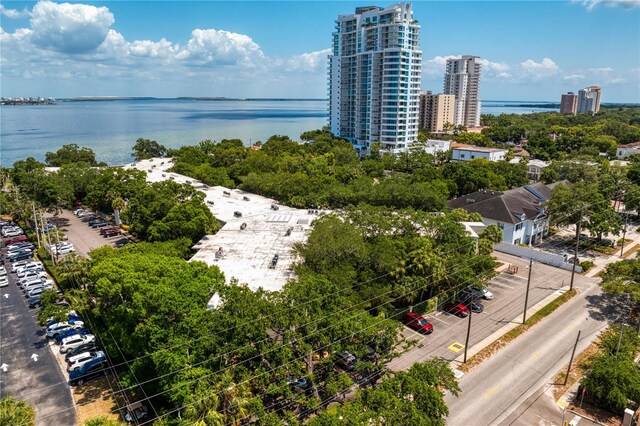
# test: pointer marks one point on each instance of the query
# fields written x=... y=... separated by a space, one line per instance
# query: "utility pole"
x=35 y=220
x=466 y=342
x=624 y=233
x=573 y=352
x=526 y=296
x=574 y=259
x=622 y=326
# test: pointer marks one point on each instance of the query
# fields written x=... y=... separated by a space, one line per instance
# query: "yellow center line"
x=534 y=356
x=491 y=392
x=569 y=327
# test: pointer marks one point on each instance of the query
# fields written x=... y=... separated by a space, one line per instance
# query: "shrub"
x=586 y=265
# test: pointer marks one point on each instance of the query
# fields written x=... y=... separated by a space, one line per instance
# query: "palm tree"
x=16 y=412
x=235 y=400
x=75 y=268
x=118 y=204
x=204 y=412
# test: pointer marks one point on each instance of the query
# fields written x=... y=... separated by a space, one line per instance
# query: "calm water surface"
x=110 y=128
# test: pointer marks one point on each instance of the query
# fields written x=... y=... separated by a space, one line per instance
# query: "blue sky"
x=532 y=50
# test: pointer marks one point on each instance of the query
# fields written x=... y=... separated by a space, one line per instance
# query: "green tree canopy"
x=146 y=148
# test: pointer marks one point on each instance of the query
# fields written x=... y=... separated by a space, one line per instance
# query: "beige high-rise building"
x=436 y=111
x=569 y=103
x=462 y=79
x=589 y=99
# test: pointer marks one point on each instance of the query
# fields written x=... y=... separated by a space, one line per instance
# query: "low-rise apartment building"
x=519 y=212
x=464 y=152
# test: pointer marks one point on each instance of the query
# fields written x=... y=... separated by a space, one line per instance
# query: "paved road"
x=494 y=390
x=507 y=306
x=40 y=383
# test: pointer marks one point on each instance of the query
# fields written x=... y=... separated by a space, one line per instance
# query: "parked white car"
x=65 y=250
x=38 y=290
x=31 y=284
x=75 y=341
x=12 y=233
x=79 y=360
x=481 y=292
x=59 y=327
x=3 y=271
x=4 y=281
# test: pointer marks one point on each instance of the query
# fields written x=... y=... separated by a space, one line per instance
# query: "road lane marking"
x=490 y=392
x=569 y=327
x=456 y=347
x=534 y=356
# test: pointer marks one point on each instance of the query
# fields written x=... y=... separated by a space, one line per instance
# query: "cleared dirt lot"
x=83 y=237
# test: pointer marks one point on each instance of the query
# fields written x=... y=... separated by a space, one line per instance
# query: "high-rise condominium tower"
x=569 y=103
x=589 y=99
x=462 y=79
x=374 y=77
x=436 y=111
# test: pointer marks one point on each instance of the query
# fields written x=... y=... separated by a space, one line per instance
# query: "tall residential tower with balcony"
x=374 y=78
x=589 y=99
x=462 y=79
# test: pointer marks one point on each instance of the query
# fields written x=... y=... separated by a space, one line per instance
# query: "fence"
x=537 y=255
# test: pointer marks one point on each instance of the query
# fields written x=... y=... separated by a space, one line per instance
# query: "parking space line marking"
x=442 y=321
x=534 y=356
x=490 y=392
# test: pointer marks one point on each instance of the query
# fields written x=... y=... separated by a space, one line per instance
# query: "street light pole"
x=466 y=342
x=624 y=233
x=566 y=378
x=526 y=297
x=574 y=260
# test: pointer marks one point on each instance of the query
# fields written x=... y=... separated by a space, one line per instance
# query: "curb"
x=504 y=330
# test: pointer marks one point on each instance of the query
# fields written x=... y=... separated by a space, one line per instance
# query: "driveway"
x=449 y=332
x=32 y=373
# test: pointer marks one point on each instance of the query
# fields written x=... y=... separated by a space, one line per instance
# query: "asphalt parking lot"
x=32 y=373
x=83 y=237
x=449 y=332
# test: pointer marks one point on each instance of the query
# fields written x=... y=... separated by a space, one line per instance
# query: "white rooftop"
x=244 y=254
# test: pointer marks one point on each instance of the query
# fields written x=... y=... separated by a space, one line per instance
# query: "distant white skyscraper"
x=462 y=79
x=374 y=77
x=589 y=99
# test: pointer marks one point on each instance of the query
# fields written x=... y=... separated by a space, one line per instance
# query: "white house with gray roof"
x=519 y=212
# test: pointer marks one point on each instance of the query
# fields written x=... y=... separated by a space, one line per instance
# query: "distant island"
x=180 y=98
x=27 y=101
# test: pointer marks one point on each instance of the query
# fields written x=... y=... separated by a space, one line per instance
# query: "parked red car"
x=419 y=323
x=18 y=239
x=457 y=309
x=109 y=230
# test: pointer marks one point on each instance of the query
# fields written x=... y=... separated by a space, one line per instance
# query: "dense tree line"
x=390 y=248
x=552 y=136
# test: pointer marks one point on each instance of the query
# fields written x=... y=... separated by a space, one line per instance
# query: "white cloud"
x=592 y=4
x=539 y=70
x=604 y=70
x=574 y=77
x=69 y=28
x=436 y=66
x=499 y=67
x=308 y=62
x=219 y=47
x=13 y=13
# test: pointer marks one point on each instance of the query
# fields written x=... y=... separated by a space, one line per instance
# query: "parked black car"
x=346 y=361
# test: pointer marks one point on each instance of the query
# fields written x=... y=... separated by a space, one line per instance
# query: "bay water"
x=111 y=127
